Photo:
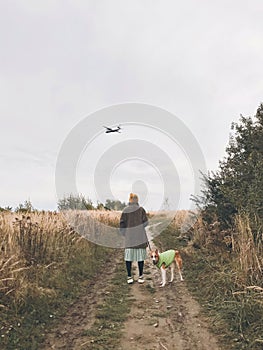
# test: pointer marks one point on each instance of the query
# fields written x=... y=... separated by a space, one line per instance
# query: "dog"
x=168 y=258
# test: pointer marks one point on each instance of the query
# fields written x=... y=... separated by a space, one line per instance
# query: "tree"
x=100 y=206
x=238 y=184
x=75 y=202
x=114 y=204
x=26 y=207
x=7 y=208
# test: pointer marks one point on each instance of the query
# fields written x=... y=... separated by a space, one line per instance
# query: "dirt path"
x=160 y=318
x=68 y=335
x=167 y=319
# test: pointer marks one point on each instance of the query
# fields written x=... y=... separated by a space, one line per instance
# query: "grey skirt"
x=135 y=254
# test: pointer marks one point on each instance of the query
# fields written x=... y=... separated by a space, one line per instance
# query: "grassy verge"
x=106 y=331
x=234 y=311
x=50 y=291
x=236 y=315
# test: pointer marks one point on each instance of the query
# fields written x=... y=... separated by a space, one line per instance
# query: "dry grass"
x=97 y=226
x=42 y=265
x=236 y=245
x=223 y=269
x=42 y=239
x=225 y=272
x=249 y=252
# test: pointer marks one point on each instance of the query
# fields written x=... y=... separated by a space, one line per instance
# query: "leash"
x=148 y=242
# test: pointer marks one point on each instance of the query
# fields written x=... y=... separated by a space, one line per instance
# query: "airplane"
x=108 y=130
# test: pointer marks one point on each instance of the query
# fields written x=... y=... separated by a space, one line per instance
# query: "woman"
x=132 y=224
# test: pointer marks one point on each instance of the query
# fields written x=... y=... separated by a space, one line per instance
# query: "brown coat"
x=132 y=224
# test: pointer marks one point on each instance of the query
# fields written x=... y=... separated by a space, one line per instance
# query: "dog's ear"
x=156 y=251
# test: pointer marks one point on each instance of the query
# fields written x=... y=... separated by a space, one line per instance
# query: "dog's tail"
x=178 y=259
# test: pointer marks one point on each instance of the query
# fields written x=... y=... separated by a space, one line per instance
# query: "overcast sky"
x=62 y=60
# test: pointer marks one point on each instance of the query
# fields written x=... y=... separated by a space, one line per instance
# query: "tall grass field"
x=44 y=265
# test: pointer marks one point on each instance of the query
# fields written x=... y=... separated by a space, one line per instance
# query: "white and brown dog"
x=168 y=258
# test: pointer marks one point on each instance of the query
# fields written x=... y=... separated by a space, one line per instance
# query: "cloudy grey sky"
x=62 y=60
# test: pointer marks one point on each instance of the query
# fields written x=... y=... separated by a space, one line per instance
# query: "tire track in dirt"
x=68 y=334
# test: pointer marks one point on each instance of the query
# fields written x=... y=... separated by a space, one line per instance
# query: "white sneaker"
x=141 y=279
x=129 y=280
